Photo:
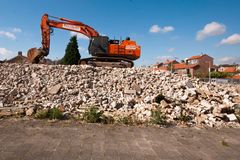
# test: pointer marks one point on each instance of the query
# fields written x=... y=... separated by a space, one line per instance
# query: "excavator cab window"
x=98 y=46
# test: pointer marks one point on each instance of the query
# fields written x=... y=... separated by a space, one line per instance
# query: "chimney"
x=19 y=53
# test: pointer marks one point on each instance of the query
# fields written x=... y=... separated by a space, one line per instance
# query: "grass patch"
x=158 y=118
x=93 y=115
x=41 y=114
x=53 y=113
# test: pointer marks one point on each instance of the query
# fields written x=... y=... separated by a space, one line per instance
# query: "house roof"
x=236 y=77
x=18 y=59
x=229 y=69
x=184 y=66
x=170 y=61
x=197 y=57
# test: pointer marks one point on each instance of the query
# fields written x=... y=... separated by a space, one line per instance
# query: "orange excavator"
x=105 y=52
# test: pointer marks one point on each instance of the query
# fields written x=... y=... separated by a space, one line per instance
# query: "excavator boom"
x=34 y=54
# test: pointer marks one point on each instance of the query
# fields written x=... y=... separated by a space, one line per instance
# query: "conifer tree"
x=72 y=55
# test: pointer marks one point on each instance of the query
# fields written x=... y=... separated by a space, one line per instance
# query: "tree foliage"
x=220 y=75
x=72 y=55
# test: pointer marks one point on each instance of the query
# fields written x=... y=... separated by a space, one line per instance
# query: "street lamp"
x=209 y=72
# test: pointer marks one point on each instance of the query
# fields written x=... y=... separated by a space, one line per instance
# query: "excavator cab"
x=98 y=46
x=102 y=46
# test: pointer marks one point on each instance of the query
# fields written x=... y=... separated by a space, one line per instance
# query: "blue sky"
x=164 y=28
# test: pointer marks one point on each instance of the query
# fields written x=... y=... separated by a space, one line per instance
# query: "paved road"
x=35 y=140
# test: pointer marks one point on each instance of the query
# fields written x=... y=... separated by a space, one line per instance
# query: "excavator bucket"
x=34 y=55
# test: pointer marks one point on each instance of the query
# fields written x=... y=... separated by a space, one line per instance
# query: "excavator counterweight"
x=105 y=52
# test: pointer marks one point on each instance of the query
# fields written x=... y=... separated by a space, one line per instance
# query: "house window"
x=165 y=65
x=193 y=61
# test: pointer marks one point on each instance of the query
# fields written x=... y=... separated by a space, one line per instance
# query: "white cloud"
x=8 y=35
x=17 y=30
x=229 y=60
x=156 y=29
x=171 y=50
x=81 y=49
x=211 y=29
x=5 y=53
x=233 y=39
x=79 y=35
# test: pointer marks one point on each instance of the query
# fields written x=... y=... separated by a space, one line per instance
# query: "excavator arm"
x=34 y=55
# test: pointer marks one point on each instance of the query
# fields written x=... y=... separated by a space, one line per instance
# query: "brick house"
x=167 y=65
x=183 y=68
x=228 y=68
x=195 y=66
x=18 y=59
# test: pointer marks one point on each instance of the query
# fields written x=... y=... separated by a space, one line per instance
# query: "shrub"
x=53 y=113
x=93 y=115
x=158 y=118
x=220 y=75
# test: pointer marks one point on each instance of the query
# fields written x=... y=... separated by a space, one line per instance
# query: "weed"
x=92 y=115
x=53 y=113
x=41 y=114
x=158 y=118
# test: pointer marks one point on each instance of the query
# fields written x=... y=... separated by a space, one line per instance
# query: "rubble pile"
x=119 y=92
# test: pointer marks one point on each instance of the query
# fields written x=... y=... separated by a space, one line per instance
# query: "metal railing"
x=222 y=80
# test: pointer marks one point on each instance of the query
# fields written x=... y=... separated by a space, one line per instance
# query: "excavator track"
x=107 y=62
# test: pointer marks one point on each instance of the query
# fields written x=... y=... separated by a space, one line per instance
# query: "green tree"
x=221 y=74
x=72 y=55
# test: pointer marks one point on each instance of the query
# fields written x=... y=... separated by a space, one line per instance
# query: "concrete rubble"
x=118 y=92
